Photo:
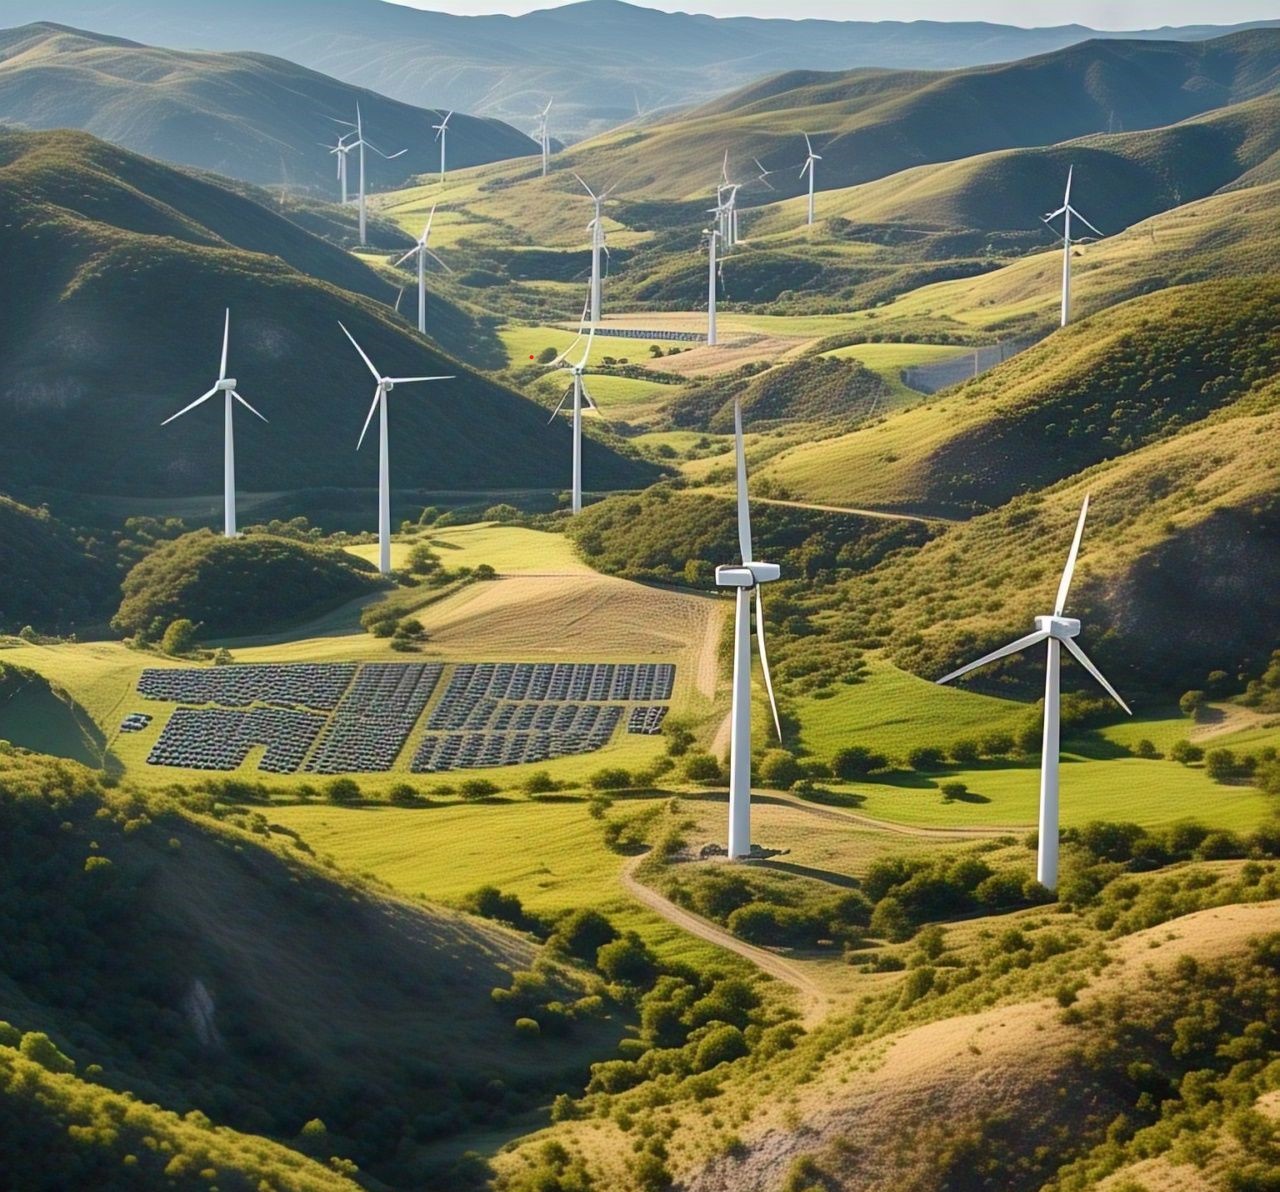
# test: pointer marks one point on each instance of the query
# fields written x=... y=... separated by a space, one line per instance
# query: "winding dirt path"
x=813 y=1001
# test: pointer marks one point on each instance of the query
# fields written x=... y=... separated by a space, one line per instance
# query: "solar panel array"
x=335 y=718
x=221 y=739
x=376 y=716
x=303 y=684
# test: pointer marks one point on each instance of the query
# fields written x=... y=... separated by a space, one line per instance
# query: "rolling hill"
x=601 y=60
x=119 y=325
x=868 y=124
x=1120 y=178
x=249 y=116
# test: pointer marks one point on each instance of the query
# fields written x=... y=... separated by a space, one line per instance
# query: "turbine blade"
x=764 y=661
x=376 y=375
x=1053 y=214
x=435 y=257
x=426 y=232
x=1066 y=197
x=377 y=393
x=1084 y=221
x=187 y=409
x=564 y=397
x=246 y=405
x=226 y=339
x=744 y=508
x=406 y=256
x=586 y=355
x=1012 y=648
x=1069 y=570
x=808 y=144
x=415 y=380
x=1083 y=659
x=585 y=187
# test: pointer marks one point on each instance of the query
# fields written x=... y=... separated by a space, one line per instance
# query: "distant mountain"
x=127 y=266
x=248 y=116
x=602 y=61
x=870 y=124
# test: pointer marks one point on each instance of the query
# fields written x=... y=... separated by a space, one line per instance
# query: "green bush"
x=1186 y=753
x=702 y=767
x=180 y=638
x=477 y=788
x=342 y=790
x=926 y=759
x=779 y=769
x=611 y=779
x=857 y=761
x=582 y=933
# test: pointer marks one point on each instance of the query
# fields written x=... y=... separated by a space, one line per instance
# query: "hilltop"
x=129 y=282
x=603 y=61
x=249 y=116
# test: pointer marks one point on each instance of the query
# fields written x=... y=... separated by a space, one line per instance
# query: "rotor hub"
x=226 y=385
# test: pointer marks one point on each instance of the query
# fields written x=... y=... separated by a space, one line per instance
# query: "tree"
x=857 y=761
x=179 y=638
x=423 y=560
x=1186 y=753
x=627 y=961
x=502 y=513
x=547 y=355
x=612 y=779
x=477 y=788
x=965 y=751
x=996 y=745
x=540 y=782
x=342 y=790
x=402 y=795
x=702 y=767
x=953 y=790
x=926 y=759
x=1146 y=748
x=582 y=933
x=779 y=769
x=1220 y=764
x=1192 y=704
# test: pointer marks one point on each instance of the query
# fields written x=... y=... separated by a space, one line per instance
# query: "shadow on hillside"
x=818 y=875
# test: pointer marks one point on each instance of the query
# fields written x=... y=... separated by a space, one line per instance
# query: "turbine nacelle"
x=226 y=385
x=747 y=575
x=1061 y=628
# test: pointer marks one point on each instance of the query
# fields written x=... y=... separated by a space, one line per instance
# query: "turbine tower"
x=341 y=150
x=544 y=142
x=227 y=387
x=422 y=251
x=384 y=386
x=1067 y=211
x=1058 y=631
x=745 y=578
x=361 y=144
x=713 y=236
x=442 y=135
x=596 y=228
x=808 y=167
x=578 y=389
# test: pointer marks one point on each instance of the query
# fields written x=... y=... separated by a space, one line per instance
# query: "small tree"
x=779 y=769
x=926 y=759
x=179 y=638
x=1186 y=753
x=996 y=745
x=342 y=790
x=1146 y=748
x=702 y=767
x=582 y=933
x=540 y=783
x=857 y=761
x=614 y=778
x=953 y=790
x=477 y=788
x=423 y=560
x=1192 y=704
x=627 y=961
x=1220 y=764
x=965 y=752
x=402 y=795
x=547 y=355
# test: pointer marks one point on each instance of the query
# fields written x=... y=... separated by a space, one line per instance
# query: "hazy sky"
x=1099 y=14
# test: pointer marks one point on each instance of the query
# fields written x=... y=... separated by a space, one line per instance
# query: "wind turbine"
x=578 y=389
x=421 y=251
x=384 y=386
x=340 y=150
x=1058 y=631
x=1067 y=211
x=544 y=142
x=763 y=176
x=361 y=144
x=227 y=387
x=744 y=578
x=808 y=166
x=596 y=228
x=442 y=135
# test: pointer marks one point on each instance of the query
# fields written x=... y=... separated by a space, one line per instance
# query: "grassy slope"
x=94 y=425
x=250 y=116
x=1120 y=178
x=1101 y=387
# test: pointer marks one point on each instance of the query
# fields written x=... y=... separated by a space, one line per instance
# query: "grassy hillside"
x=48 y=578
x=217 y=971
x=1100 y=388
x=132 y=298
x=867 y=124
x=1120 y=178
x=250 y=116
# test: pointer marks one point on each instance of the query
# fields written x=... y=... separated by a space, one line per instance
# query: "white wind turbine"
x=713 y=237
x=1058 y=631
x=596 y=228
x=544 y=142
x=809 y=167
x=763 y=176
x=384 y=386
x=1067 y=211
x=744 y=578
x=442 y=135
x=227 y=387
x=727 y=201
x=361 y=144
x=422 y=251
x=341 y=150
x=578 y=389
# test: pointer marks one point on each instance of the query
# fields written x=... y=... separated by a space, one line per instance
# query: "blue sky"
x=1099 y=14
